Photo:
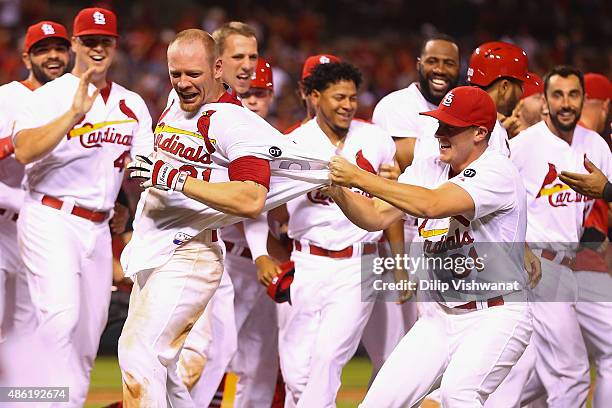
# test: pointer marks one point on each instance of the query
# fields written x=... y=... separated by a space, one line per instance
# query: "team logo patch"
x=448 y=99
x=469 y=172
x=181 y=238
x=99 y=18
x=275 y=151
x=324 y=60
x=47 y=29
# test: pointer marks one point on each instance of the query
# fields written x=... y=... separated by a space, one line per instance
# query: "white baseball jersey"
x=398 y=114
x=315 y=217
x=87 y=165
x=495 y=233
x=556 y=212
x=165 y=220
x=12 y=95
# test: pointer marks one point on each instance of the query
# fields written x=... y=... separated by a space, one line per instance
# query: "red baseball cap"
x=597 y=86
x=532 y=85
x=95 y=21
x=262 y=76
x=314 y=60
x=42 y=30
x=466 y=106
x=280 y=287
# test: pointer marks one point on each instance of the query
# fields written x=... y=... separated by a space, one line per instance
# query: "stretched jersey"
x=87 y=165
x=315 y=217
x=204 y=143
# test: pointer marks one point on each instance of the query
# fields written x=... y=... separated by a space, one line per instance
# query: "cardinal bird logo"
x=549 y=179
x=127 y=111
x=203 y=126
x=363 y=163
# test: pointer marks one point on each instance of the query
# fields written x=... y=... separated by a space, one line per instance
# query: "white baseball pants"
x=68 y=262
x=322 y=330
x=594 y=311
x=561 y=362
x=219 y=348
x=466 y=353
x=164 y=305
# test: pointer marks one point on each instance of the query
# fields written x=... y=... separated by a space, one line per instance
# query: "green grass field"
x=106 y=383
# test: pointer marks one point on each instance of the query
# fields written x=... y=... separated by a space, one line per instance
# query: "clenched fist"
x=158 y=174
x=343 y=173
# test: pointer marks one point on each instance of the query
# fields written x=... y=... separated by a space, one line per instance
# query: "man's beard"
x=39 y=74
x=431 y=98
x=566 y=128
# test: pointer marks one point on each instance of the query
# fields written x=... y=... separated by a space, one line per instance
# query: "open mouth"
x=444 y=146
x=187 y=97
x=54 y=67
x=439 y=84
x=567 y=115
x=97 y=58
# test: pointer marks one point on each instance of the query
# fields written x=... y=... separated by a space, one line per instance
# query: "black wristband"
x=607 y=192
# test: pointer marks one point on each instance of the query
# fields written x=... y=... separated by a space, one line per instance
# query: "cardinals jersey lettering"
x=556 y=212
x=88 y=164
x=493 y=238
x=203 y=144
x=315 y=217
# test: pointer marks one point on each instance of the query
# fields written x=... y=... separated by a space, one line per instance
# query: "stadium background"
x=382 y=38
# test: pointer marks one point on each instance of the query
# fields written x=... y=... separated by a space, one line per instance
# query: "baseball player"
x=501 y=70
x=46 y=56
x=529 y=110
x=438 y=72
x=252 y=340
x=555 y=222
x=327 y=316
x=237 y=44
x=398 y=113
x=75 y=151
x=469 y=201
x=307 y=101
x=213 y=339
x=592 y=273
x=222 y=154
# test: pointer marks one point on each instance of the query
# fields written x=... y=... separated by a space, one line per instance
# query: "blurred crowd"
x=382 y=38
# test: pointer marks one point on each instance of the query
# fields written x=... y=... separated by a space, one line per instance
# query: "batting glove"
x=158 y=174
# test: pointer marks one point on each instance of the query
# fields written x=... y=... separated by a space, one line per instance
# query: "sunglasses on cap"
x=92 y=41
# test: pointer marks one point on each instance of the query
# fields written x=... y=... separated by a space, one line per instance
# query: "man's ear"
x=218 y=68
x=25 y=57
x=481 y=134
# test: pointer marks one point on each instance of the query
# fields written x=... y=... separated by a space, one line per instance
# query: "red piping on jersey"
x=229 y=98
x=165 y=112
x=250 y=168
x=105 y=92
x=27 y=85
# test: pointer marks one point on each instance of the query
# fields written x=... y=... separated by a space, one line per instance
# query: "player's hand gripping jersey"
x=203 y=144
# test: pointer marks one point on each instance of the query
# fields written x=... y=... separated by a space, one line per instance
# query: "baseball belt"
x=368 y=248
x=496 y=301
x=95 y=216
x=245 y=252
x=557 y=258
